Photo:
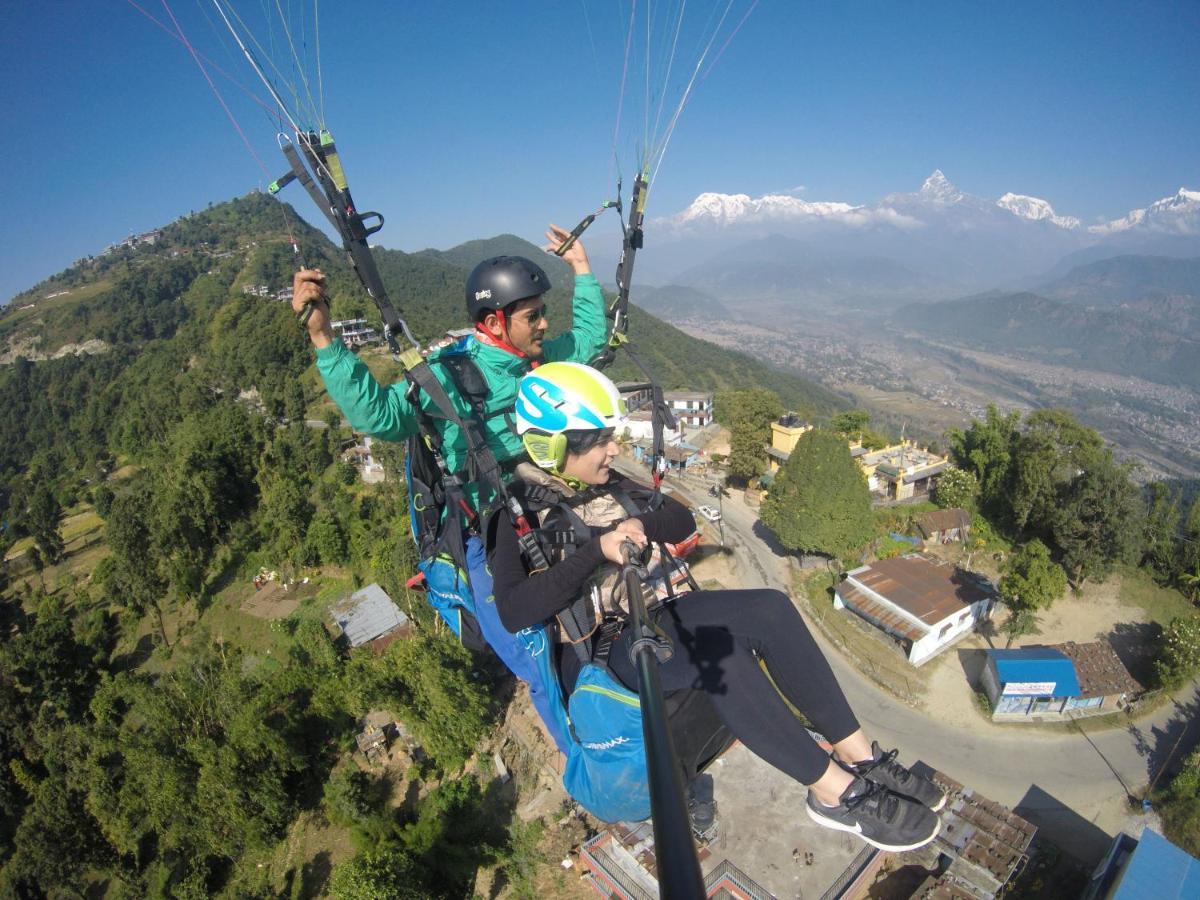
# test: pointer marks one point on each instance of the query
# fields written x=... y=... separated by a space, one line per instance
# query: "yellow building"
x=784 y=435
x=897 y=472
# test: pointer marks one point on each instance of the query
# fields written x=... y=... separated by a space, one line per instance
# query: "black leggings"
x=719 y=637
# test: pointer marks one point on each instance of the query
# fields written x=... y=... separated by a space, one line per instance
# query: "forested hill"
x=244 y=243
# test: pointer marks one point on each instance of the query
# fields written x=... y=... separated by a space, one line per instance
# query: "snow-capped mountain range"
x=936 y=242
x=1179 y=214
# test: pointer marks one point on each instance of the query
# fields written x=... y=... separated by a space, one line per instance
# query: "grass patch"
x=1160 y=603
x=75 y=295
x=875 y=655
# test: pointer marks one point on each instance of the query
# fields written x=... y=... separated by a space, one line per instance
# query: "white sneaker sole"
x=856 y=829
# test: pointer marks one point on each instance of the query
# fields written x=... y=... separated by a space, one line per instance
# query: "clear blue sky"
x=465 y=119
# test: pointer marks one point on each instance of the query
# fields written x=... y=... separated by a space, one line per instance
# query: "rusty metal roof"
x=922 y=588
x=1099 y=670
x=885 y=616
x=943 y=520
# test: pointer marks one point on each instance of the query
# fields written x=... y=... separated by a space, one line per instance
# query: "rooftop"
x=1035 y=671
x=903 y=456
x=366 y=614
x=943 y=520
x=926 y=590
x=792 y=420
x=987 y=840
x=763 y=849
x=1099 y=670
x=1158 y=870
x=687 y=395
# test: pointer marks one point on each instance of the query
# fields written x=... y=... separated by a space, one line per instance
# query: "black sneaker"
x=883 y=769
x=881 y=818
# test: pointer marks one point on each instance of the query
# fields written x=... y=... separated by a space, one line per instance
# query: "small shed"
x=944 y=526
x=370 y=617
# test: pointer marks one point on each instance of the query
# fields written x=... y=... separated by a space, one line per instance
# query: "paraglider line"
x=728 y=40
x=225 y=106
x=212 y=65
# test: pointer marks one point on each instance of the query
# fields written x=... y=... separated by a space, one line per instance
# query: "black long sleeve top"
x=523 y=600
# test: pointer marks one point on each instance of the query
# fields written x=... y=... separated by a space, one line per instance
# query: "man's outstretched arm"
x=382 y=412
x=589 y=327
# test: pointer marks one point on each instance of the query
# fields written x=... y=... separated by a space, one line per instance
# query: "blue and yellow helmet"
x=561 y=397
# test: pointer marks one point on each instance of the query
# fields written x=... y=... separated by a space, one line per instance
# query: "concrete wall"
x=928 y=646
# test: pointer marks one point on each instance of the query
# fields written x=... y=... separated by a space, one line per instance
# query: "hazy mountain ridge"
x=1122 y=279
x=1145 y=343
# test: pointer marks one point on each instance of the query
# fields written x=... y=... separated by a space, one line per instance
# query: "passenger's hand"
x=575 y=256
x=635 y=530
x=308 y=288
x=610 y=543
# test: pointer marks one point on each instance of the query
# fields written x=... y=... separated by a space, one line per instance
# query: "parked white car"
x=709 y=512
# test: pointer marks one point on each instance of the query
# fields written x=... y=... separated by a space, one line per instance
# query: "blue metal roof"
x=1039 y=666
x=1158 y=870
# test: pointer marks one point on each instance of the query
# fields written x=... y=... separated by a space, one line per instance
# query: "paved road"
x=1074 y=786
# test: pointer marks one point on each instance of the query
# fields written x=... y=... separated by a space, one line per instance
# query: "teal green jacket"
x=386 y=412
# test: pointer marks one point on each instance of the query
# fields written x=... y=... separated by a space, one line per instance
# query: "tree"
x=1050 y=453
x=986 y=449
x=1021 y=621
x=1098 y=519
x=325 y=539
x=819 y=502
x=1188 y=560
x=746 y=457
x=756 y=406
x=1030 y=579
x=851 y=423
x=1178 y=652
x=1179 y=806
x=386 y=872
x=102 y=499
x=42 y=519
x=956 y=488
x=1160 y=552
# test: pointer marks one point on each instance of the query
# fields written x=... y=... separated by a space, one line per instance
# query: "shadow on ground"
x=1167 y=746
x=973 y=663
x=1062 y=826
x=1134 y=643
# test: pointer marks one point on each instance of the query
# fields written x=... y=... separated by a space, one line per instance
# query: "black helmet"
x=501 y=280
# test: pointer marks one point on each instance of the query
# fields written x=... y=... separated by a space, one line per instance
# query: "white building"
x=693 y=409
x=920 y=603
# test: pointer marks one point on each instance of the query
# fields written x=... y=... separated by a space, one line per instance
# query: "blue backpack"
x=606 y=755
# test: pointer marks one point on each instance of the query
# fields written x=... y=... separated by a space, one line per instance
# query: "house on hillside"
x=902 y=471
x=691 y=408
x=945 y=526
x=354 y=332
x=784 y=435
x=678 y=457
x=1059 y=681
x=640 y=427
x=635 y=393
x=369 y=617
x=922 y=604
